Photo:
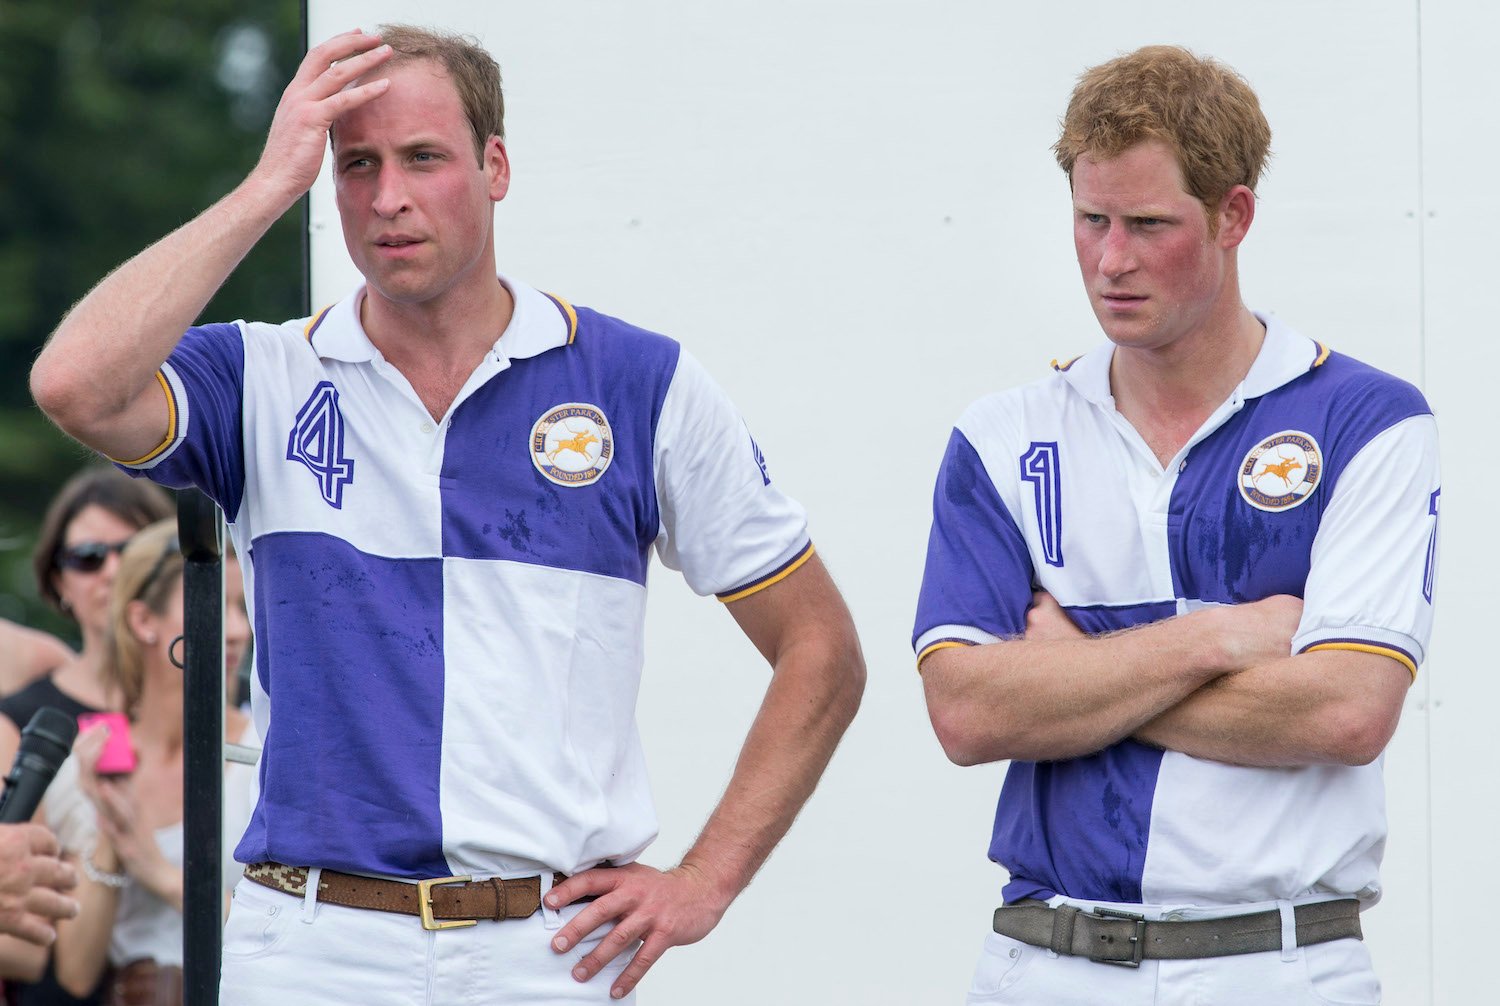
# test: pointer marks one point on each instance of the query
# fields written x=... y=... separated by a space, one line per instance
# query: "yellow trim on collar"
x=313 y=322
x=572 y=316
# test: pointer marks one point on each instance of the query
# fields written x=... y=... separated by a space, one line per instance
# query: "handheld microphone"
x=45 y=743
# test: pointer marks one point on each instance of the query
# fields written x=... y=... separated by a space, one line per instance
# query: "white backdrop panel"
x=1460 y=83
x=849 y=212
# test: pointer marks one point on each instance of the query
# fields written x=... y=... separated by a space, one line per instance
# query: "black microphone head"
x=45 y=745
x=50 y=734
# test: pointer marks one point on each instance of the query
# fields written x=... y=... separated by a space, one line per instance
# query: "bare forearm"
x=82 y=947
x=1316 y=708
x=810 y=702
x=95 y=376
x=1044 y=699
x=103 y=357
x=802 y=628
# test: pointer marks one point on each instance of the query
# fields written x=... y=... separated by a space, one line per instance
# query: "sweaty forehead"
x=1147 y=172
x=400 y=65
x=421 y=94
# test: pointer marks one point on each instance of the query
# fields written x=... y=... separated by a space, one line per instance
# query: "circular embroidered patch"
x=1281 y=471
x=571 y=444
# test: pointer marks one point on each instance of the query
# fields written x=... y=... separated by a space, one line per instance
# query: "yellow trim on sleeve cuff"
x=166 y=389
x=932 y=648
x=758 y=586
x=1384 y=651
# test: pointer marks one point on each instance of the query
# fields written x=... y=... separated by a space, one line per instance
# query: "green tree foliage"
x=118 y=123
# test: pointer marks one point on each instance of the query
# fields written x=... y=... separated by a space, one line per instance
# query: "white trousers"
x=1011 y=972
x=282 y=950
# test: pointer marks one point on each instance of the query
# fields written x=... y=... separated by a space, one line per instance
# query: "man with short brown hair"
x=446 y=489
x=1181 y=585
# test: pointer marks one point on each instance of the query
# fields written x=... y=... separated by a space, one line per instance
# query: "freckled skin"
x=1154 y=274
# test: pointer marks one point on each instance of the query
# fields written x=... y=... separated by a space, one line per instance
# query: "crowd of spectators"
x=91 y=892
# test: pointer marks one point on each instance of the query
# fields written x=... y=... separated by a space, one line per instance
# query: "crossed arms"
x=1215 y=683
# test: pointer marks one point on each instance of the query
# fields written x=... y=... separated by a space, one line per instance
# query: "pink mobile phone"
x=118 y=756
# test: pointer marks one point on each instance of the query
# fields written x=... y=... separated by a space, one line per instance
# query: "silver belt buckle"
x=1137 y=940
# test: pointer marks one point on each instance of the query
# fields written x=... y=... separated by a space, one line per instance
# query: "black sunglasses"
x=88 y=556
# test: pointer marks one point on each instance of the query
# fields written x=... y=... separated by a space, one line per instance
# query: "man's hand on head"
x=32 y=879
x=315 y=98
x=652 y=911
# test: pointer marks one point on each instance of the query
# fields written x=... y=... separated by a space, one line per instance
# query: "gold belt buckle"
x=424 y=904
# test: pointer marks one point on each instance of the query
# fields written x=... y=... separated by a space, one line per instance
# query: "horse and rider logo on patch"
x=1281 y=471
x=572 y=445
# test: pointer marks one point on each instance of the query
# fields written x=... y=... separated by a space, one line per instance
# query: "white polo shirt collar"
x=538 y=323
x=1284 y=356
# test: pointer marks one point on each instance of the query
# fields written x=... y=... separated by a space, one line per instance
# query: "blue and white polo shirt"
x=1318 y=478
x=449 y=614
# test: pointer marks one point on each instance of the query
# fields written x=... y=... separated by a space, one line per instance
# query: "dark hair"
x=136 y=502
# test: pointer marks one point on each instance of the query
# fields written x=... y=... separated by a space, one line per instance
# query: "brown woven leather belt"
x=1115 y=937
x=441 y=903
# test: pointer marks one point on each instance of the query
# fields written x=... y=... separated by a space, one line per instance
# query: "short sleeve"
x=203 y=381
x=1374 y=559
x=977 y=583
x=724 y=524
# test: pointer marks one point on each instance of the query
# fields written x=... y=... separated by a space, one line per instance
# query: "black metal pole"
x=198 y=529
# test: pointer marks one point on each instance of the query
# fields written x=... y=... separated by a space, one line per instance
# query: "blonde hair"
x=1200 y=108
x=150 y=568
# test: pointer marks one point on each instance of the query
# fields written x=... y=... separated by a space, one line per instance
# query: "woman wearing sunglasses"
x=76 y=556
x=122 y=825
x=77 y=551
x=89 y=520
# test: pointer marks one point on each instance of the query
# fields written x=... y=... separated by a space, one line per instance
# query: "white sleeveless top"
x=146 y=926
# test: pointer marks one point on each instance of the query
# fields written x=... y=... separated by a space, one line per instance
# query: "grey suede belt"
x=1117 y=937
